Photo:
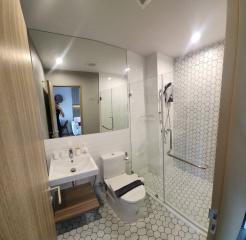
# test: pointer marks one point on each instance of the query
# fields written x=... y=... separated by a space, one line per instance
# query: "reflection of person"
x=59 y=112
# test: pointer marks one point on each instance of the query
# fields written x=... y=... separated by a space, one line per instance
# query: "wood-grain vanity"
x=75 y=201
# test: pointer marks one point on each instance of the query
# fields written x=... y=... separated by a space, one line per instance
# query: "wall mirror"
x=82 y=84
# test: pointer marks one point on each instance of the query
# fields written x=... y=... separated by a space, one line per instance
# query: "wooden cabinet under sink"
x=75 y=201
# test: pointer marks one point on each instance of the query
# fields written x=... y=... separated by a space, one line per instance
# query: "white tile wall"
x=197 y=86
x=98 y=144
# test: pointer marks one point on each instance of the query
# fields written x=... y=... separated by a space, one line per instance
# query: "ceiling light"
x=91 y=64
x=109 y=78
x=195 y=37
x=143 y=3
x=59 y=60
x=127 y=69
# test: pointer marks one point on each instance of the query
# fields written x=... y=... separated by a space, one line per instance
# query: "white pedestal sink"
x=64 y=171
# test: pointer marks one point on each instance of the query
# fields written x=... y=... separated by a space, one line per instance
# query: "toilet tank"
x=113 y=164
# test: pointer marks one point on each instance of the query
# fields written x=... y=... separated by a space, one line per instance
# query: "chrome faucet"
x=70 y=154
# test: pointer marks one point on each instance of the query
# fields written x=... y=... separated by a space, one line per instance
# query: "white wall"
x=115 y=81
x=98 y=144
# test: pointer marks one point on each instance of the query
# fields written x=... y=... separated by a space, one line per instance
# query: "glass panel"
x=113 y=103
x=138 y=127
x=145 y=135
x=194 y=122
x=119 y=107
x=106 y=110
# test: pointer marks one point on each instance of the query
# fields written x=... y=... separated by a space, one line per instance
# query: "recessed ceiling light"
x=143 y=3
x=91 y=64
x=195 y=37
x=127 y=69
x=59 y=60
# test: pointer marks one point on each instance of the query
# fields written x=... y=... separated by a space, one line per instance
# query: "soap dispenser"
x=84 y=149
x=77 y=151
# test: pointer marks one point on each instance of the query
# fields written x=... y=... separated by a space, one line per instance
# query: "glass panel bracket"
x=213 y=216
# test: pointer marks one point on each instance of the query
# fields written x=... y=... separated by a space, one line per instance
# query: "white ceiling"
x=77 y=53
x=164 y=25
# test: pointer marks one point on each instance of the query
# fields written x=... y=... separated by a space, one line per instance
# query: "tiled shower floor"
x=160 y=223
x=189 y=194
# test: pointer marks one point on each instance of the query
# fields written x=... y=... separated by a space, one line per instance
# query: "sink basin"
x=63 y=170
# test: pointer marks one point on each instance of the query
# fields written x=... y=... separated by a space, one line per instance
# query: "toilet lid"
x=120 y=181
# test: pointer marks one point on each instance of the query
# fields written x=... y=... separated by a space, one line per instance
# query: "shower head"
x=168 y=92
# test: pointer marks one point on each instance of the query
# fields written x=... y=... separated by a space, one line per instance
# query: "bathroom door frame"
x=25 y=207
x=226 y=108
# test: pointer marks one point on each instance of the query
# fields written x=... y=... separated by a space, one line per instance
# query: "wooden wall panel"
x=233 y=195
x=226 y=101
x=25 y=209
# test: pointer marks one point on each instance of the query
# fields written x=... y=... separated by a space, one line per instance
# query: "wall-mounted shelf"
x=75 y=201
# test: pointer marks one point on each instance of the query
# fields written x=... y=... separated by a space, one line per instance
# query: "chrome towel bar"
x=169 y=153
x=185 y=161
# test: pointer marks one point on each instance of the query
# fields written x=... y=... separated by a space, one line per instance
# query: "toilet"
x=125 y=193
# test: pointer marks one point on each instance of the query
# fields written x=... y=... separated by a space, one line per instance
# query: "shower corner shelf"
x=75 y=201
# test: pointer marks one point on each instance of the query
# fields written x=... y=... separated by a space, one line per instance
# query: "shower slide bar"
x=169 y=153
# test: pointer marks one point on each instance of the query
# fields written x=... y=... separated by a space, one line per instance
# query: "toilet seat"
x=134 y=195
x=120 y=181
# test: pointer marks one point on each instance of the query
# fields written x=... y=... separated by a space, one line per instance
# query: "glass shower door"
x=145 y=135
x=189 y=153
x=187 y=189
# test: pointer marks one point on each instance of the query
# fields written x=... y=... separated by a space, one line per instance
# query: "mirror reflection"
x=84 y=84
x=68 y=110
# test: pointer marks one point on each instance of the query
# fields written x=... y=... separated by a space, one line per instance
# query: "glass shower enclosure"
x=174 y=142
